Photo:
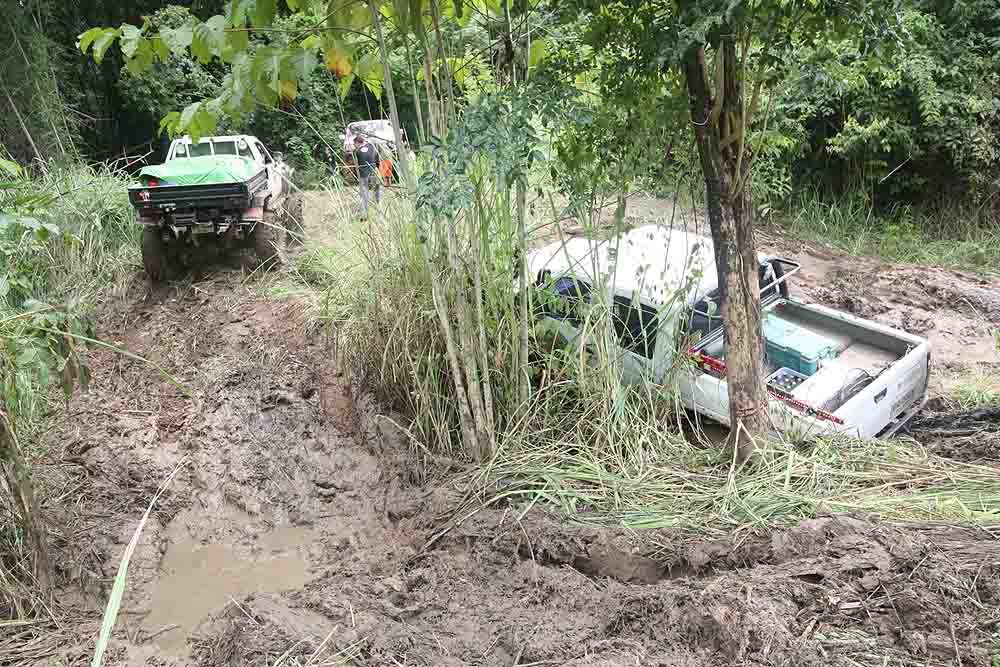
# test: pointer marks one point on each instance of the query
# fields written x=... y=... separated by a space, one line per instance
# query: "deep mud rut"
x=297 y=526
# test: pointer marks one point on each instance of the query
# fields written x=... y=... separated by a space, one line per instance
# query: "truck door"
x=275 y=181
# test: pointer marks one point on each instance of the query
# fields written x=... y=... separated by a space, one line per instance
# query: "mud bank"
x=294 y=534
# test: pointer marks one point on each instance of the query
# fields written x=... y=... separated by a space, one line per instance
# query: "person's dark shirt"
x=367 y=157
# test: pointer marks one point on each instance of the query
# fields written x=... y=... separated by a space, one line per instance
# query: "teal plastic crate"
x=792 y=346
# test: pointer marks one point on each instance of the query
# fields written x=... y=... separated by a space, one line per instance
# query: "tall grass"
x=585 y=444
x=953 y=237
x=67 y=246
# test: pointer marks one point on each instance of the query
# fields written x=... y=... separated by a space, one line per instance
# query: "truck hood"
x=201 y=170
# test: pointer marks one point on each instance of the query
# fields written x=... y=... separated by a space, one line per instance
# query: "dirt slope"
x=297 y=527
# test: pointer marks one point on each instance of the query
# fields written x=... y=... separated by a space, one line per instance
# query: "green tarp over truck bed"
x=201 y=170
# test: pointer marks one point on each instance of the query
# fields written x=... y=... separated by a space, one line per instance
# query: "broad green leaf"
x=130 y=39
x=87 y=38
x=293 y=5
x=372 y=74
x=237 y=12
x=178 y=39
x=142 y=57
x=188 y=114
x=537 y=52
x=264 y=12
x=160 y=48
x=236 y=42
x=10 y=167
x=267 y=73
x=311 y=42
x=208 y=39
x=169 y=122
x=102 y=43
x=459 y=69
x=345 y=85
x=401 y=15
x=297 y=64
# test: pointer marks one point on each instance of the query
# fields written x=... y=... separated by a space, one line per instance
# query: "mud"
x=297 y=529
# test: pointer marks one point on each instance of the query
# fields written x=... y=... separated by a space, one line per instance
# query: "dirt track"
x=299 y=519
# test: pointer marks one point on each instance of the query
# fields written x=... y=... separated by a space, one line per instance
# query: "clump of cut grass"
x=948 y=237
x=976 y=388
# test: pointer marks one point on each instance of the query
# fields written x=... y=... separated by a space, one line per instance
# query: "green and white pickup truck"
x=825 y=371
x=225 y=192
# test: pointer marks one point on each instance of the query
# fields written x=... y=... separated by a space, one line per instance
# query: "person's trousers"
x=364 y=187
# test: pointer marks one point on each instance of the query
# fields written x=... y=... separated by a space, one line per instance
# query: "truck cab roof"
x=653 y=261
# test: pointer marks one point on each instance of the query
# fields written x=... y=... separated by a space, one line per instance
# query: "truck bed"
x=866 y=359
x=212 y=195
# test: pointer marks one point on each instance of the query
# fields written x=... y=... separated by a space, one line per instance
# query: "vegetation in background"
x=67 y=245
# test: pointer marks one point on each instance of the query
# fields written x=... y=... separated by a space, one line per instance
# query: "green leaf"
x=236 y=42
x=537 y=52
x=178 y=39
x=103 y=42
x=266 y=70
x=237 y=12
x=208 y=39
x=142 y=57
x=264 y=11
x=297 y=64
x=345 y=85
x=160 y=48
x=401 y=14
x=130 y=39
x=85 y=39
x=312 y=42
x=372 y=74
x=169 y=122
x=188 y=115
x=10 y=167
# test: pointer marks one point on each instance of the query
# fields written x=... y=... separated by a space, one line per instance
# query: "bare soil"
x=297 y=529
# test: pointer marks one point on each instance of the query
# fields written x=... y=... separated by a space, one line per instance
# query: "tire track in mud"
x=299 y=523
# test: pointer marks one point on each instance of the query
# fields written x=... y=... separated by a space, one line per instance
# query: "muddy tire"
x=294 y=220
x=267 y=241
x=156 y=257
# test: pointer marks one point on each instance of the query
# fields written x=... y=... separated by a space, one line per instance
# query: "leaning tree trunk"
x=720 y=127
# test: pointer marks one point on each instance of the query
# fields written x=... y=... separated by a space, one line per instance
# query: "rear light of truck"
x=152 y=183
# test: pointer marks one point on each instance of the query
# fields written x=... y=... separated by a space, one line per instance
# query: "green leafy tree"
x=727 y=53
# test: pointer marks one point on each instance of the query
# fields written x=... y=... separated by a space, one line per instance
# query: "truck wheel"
x=295 y=223
x=267 y=241
x=156 y=258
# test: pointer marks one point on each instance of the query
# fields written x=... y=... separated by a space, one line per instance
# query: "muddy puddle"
x=197 y=580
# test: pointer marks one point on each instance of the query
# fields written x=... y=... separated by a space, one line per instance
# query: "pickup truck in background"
x=825 y=371
x=223 y=192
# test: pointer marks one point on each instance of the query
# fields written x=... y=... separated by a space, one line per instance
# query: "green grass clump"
x=949 y=237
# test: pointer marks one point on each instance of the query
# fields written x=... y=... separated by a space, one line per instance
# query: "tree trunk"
x=719 y=131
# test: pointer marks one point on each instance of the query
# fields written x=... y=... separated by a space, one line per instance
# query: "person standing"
x=367 y=158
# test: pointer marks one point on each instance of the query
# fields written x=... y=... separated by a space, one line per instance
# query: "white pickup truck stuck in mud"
x=825 y=371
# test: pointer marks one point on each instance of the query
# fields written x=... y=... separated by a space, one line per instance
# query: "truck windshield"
x=704 y=317
x=212 y=147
